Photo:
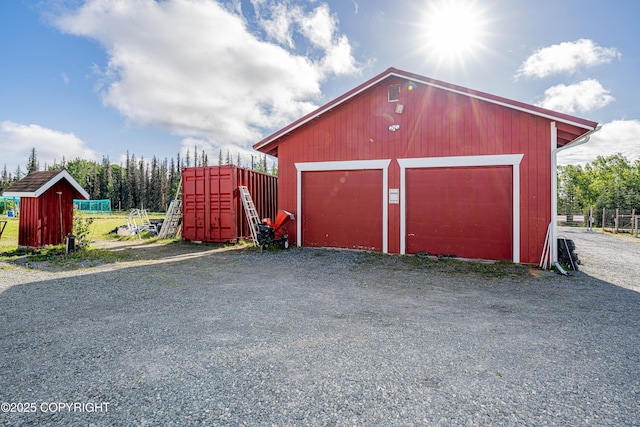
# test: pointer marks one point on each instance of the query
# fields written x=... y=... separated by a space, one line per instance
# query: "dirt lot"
x=200 y=335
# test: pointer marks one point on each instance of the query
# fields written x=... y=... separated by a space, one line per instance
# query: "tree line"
x=611 y=182
x=136 y=183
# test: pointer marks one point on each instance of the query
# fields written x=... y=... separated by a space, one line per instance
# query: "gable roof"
x=37 y=183
x=570 y=128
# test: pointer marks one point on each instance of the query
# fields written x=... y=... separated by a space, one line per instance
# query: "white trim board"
x=463 y=161
x=504 y=102
x=346 y=165
x=47 y=185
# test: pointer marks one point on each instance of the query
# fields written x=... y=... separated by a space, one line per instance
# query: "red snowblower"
x=272 y=233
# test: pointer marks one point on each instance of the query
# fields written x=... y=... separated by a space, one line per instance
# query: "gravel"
x=612 y=258
x=203 y=335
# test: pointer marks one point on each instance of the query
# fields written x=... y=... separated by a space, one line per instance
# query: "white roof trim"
x=63 y=174
x=396 y=74
x=503 y=104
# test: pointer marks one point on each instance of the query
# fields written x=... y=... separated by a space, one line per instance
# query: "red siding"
x=212 y=208
x=434 y=123
x=40 y=217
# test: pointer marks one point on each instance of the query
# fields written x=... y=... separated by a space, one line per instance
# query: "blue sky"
x=96 y=78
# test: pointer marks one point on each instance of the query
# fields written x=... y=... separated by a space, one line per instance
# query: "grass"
x=9 y=239
x=451 y=265
x=103 y=225
x=57 y=258
x=101 y=229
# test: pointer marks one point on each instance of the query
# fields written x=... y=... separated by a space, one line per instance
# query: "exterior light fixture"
x=394 y=128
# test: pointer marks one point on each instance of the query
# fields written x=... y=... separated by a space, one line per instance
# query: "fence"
x=619 y=221
x=93 y=206
x=573 y=220
x=611 y=220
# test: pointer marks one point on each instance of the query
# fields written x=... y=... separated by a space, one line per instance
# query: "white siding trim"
x=463 y=161
x=554 y=194
x=490 y=100
x=426 y=82
x=47 y=185
x=346 y=165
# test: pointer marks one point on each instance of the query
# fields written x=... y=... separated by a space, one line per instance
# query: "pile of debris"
x=138 y=222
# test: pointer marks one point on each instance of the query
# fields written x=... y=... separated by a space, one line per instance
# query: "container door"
x=193 y=204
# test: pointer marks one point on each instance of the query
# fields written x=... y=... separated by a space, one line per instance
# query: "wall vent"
x=394 y=93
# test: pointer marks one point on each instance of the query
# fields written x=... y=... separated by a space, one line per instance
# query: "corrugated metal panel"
x=212 y=209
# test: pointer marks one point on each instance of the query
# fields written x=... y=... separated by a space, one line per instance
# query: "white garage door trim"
x=463 y=161
x=346 y=165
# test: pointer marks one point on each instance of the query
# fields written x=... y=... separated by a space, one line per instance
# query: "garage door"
x=342 y=209
x=462 y=211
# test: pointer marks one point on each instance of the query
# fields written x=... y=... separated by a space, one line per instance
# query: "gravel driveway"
x=615 y=259
x=199 y=335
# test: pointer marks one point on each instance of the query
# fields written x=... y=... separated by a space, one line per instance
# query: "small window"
x=394 y=93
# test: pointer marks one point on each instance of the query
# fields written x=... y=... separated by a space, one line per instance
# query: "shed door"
x=342 y=209
x=462 y=211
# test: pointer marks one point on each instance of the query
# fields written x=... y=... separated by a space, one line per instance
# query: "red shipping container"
x=211 y=205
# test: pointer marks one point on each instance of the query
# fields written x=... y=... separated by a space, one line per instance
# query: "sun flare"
x=453 y=30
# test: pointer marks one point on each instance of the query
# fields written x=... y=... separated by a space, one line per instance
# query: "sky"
x=98 y=78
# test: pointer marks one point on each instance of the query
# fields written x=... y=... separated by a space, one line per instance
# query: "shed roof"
x=37 y=183
x=570 y=128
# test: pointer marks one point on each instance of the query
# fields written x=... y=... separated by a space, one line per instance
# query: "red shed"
x=211 y=205
x=406 y=164
x=46 y=207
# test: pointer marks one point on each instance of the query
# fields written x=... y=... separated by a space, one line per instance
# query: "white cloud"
x=279 y=26
x=567 y=57
x=319 y=27
x=585 y=96
x=618 y=136
x=17 y=140
x=194 y=68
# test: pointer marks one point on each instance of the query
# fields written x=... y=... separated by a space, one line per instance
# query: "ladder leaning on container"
x=250 y=210
x=174 y=216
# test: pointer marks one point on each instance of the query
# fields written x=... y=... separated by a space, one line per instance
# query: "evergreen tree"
x=117 y=182
x=142 y=184
x=95 y=183
x=32 y=164
x=5 y=179
x=131 y=187
x=165 y=187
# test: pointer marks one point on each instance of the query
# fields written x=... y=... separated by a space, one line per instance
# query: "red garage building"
x=406 y=164
x=46 y=207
